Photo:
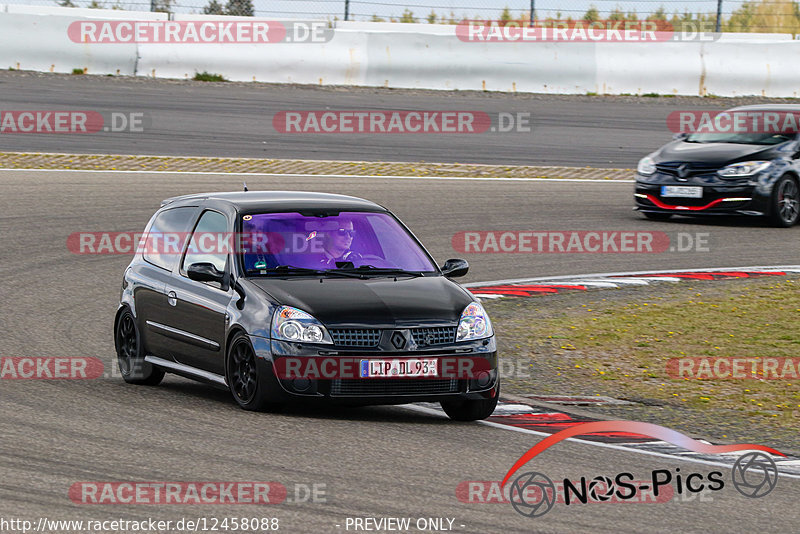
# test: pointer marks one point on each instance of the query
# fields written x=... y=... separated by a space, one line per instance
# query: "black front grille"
x=355 y=337
x=691 y=169
x=434 y=336
x=393 y=386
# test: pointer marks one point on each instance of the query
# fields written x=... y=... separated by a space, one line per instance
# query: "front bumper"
x=717 y=199
x=333 y=384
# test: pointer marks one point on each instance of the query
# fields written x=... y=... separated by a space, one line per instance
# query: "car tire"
x=130 y=354
x=785 y=203
x=248 y=387
x=471 y=409
x=657 y=216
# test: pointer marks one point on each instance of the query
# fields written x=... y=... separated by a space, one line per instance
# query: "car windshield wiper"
x=369 y=269
x=301 y=271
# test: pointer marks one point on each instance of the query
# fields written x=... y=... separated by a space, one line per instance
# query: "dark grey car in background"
x=750 y=173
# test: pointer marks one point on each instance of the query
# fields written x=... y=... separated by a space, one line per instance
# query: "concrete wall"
x=413 y=56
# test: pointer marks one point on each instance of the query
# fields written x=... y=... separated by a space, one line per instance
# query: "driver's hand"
x=351 y=256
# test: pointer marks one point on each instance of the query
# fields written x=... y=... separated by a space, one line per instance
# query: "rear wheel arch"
x=131 y=353
x=122 y=309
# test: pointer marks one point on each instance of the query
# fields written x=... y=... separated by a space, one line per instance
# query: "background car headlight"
x=292 y=324
x=744 y=168
x=474 y=323
x=646 y=166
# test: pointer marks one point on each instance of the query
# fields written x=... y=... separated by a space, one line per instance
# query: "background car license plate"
x=397 y=368
x=681 y=191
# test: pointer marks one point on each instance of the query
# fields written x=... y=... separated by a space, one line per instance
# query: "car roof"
x=276 y=201
x=769 y=107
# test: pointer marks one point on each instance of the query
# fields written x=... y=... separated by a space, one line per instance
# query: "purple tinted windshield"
x=361 y=238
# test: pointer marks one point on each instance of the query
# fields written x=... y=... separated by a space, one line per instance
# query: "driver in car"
x=336 y=244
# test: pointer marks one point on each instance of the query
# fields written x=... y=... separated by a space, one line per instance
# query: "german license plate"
x=681 y=191
x=398 y=368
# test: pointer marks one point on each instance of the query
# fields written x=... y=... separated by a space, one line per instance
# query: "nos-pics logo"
x=533 y=494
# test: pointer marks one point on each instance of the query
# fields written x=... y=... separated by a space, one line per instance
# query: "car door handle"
x=172 y=298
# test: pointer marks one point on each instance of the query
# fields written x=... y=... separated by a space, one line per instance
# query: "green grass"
x=656 y=95
x=77 y=71
x=630 y=343
x=208 y=77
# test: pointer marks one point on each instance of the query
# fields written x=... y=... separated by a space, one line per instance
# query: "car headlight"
x=744 y=168
x=646 y=166
x=474 y=323
x=292 y=324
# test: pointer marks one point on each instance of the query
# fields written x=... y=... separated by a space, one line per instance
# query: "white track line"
x=577 y=278
x=432 y=411
x=368 y=176
x=770 y=268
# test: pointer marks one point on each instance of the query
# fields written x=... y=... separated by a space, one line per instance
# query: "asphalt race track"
x=367 y=462
x=375 y=462
x=235 y=120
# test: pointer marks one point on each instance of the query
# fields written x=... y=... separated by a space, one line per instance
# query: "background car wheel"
x=248 y=388
x=785 y=202
x=471 y=410
x=130 y=354
x=657 y=216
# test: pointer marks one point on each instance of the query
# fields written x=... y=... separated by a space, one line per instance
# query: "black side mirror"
x=205 y=272
x=454 y=268
x=680 y=136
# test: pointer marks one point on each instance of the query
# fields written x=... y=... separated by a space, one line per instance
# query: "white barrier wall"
x=340 y=62
x=414 y=56
x=40 y=43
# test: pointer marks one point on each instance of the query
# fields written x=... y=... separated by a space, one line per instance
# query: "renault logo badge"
x=398 y=340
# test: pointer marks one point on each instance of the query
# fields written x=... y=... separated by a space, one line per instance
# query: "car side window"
x=166 y=237
x=208 y=243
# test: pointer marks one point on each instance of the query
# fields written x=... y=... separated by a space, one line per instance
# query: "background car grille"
x=393 y=386
x=355 y=337
x=692 y=169
x=434 y=336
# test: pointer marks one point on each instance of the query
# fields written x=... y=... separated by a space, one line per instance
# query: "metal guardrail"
x=762 y=16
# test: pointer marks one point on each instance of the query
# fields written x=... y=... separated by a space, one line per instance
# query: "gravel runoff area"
x=90 y=162
x=539 y=357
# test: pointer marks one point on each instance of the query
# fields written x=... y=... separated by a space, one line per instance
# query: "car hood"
x=718 y=154
x=375 y=301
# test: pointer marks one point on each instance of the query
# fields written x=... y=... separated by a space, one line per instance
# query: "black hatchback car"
x=749 y=172
x=282 y=296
